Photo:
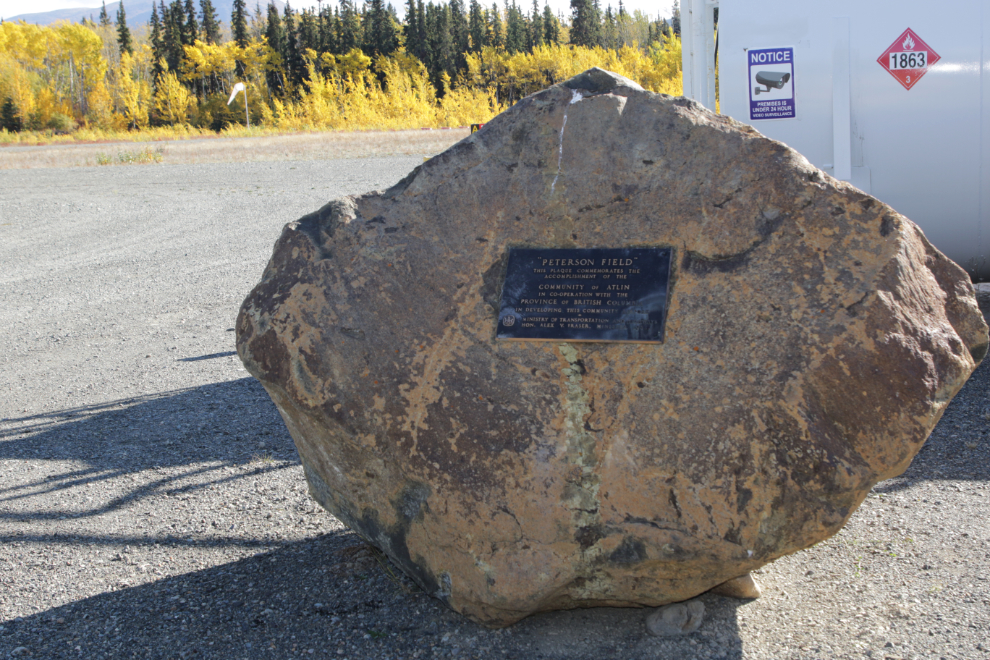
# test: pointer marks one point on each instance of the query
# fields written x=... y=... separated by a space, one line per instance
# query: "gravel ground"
x=152 y=504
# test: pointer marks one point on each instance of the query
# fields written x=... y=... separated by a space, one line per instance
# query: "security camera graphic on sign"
x=771 y=83
x=771 y=80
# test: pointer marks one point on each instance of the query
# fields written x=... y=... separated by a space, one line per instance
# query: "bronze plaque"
x=593 y=294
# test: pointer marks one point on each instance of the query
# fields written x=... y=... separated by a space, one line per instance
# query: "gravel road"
x=152 y=504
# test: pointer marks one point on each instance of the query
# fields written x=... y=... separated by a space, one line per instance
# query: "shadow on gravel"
x=205 y=428
x=333 y=594
x=211 y=356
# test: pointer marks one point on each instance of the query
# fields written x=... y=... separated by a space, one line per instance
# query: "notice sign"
x=771 y=83
x=908 y=58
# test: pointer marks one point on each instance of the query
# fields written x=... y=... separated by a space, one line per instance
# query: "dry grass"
x=296 y=146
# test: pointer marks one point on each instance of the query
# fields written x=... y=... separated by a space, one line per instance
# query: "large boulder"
x=813 y=339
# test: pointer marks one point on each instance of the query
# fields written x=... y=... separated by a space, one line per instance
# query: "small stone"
x=676 y=619
x=20 y=650
x=743 y=586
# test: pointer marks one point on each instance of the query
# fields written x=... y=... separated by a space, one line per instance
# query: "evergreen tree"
x=441 y=47
x=496 y=36
x=597 y=30
x=258 y=24
x=328 y=41
x=516 y=34
x=211 y=25
x=123 y=34
x=9 y=119
x=104 y=16
x=658 y=32
x=381 y=36
x=630 y=29
x=411 y=29
x=190 y=29
x=476 y=27
x=275 y=35
x=551 y=27
x=293 y=57
x=586 y=25
x=535 y=27
x=675 y=19
x=172 y=27
x=157 y=44
x=610 y=30
x=309 y=35
x=350 y=27
x=426 y=51
x=238 y=24
x=459 y=32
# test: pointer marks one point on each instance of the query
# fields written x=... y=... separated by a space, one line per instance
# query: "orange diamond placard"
x=908 y=58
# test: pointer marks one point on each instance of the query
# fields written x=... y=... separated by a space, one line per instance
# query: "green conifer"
x=238 y=23
x=381 y=36
x=104 y=16
x=411 y=29
x=459 y=31
x=536 y=27
x=123 y=33
x=211 y=25
x=190 y=27
x=476 y=27
x=516 y=34
x=9 y=119
x=157 y=44
x=551 y=27
x=293 y=56
x=496 y=35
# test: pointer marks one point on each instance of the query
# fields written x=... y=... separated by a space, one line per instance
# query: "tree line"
x=180 y=68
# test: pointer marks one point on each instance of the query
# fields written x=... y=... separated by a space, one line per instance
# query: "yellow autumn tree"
x=172 y=100
x=132 y=91
x=83 y=50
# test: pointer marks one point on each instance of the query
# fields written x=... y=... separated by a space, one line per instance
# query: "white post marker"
x=239 y=87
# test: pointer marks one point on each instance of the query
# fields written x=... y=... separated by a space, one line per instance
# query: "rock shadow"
x=337 y=596
x=204 y=429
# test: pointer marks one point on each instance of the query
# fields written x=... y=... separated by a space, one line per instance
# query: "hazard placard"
x=908 y=58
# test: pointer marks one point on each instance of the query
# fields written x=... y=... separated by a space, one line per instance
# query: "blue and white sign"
x=771 y=83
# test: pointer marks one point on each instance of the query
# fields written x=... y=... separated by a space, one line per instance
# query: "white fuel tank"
x=891 y=95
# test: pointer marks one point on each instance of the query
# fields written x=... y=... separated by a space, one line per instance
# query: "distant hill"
x=138 y=12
